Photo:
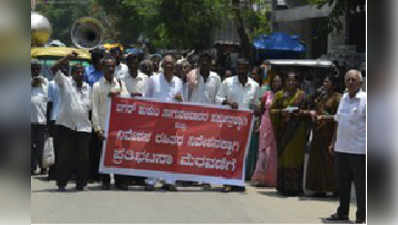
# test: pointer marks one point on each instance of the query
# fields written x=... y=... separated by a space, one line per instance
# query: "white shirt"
x=121 y=70
x=54 y=96
x=205 y=92
x=233 y=91
x=38 y=103
x=159 y=88
x=100 y=99
x=76 y=104
x=351 y=118
x=137 y=84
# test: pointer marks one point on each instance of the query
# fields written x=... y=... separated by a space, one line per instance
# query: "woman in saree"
x=290 y=125
x=320 y=170
x=266 y=166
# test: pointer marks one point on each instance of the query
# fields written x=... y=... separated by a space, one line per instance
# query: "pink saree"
x=266 y=165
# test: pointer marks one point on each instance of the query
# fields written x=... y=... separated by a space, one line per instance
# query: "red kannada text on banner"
x=182 y=141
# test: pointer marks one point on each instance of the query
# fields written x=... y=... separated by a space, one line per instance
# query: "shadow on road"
x=271 y=193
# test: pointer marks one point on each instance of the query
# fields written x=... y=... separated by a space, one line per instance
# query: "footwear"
x=106 y=186
x=149 y=187
x=81 y=188
x=61 y=188
x=43 y=171
x=360 y=221
x=169 y=187
x=227 y=188
x=337 y=217
x=123 y=187
x=238 y=189
x=206 y=187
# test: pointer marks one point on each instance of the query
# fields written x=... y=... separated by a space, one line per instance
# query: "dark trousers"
x=56 y=137
x=351 y=168
x=95 y=155
x=105 y=178
x=73 y=153
x=38 y=135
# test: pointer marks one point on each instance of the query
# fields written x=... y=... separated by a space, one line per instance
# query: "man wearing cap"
x=38 y=115
x=238 y=92
x=121 y=68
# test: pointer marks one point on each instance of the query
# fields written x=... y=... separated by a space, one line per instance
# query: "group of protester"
x=72 y=109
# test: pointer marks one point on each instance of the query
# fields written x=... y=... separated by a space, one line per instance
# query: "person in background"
x=164 y=87
x=120 y=69
x=349 y=147
x=38 y=116
x=290 y=128
x=74 y=125
x=266 y=165
x=238 y=92
x=156 y=58
x=103 y=89
x=146 y=66
x=228 y=73
x=94 y=72
x=320 y=170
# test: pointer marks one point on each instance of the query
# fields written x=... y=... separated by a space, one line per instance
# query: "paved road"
x=188 y=205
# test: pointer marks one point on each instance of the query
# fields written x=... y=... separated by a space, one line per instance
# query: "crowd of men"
x=72 y=109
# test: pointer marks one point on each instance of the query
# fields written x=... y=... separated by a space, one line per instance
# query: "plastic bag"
x=48 y=153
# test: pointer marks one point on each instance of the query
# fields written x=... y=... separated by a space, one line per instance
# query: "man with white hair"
x=350 y=148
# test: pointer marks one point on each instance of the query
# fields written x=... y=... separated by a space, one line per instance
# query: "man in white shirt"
x=239 y=92
x=120 y=69
x=350 y=148
x=165 y=87
x=135 y=82
x=203 y=84
x=103 y=89
x=38 y=115
x=74 y=125
x=134 y=79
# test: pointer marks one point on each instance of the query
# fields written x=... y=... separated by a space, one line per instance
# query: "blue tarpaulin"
x=278 y=46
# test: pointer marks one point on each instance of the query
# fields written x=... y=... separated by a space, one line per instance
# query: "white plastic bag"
x=48 y=153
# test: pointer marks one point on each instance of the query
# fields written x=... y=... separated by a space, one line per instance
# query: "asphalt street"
x=188 y=205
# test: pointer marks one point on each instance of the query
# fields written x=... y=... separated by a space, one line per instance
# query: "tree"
x=340 y=8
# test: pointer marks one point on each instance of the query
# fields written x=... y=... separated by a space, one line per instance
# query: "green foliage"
x=179 y=24
x=341 y=7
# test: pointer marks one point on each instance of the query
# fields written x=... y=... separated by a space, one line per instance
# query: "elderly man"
x=168 y=88
x=239 y=92
x=74 y=125
x=38 y=115
x=350 y=148
x=102 y=91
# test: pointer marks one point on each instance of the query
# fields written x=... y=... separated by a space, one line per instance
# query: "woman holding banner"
x=290 y=128
x=265 y=172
